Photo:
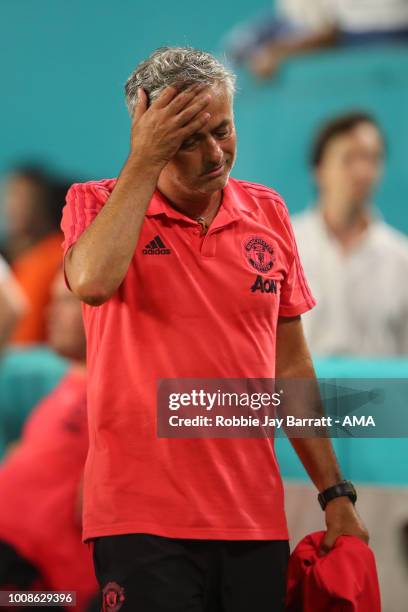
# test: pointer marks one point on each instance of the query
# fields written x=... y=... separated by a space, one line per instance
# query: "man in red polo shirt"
x=187 y=273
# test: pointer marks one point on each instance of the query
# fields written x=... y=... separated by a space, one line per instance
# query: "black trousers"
x=17 y=574
x=150 y=573
x=15 y=571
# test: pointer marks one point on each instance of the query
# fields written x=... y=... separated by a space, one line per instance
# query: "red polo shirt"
x=186 y=308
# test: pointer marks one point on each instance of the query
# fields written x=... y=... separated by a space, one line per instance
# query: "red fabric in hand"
x=344 y=580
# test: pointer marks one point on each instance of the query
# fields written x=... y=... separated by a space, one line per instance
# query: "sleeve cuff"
x=296 y=309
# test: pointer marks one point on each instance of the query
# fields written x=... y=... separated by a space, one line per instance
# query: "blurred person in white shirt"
x=300 y=26
x=357 y=265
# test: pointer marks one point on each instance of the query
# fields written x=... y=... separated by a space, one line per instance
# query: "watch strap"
x=345 y=488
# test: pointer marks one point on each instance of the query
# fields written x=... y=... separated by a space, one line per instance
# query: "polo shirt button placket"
x=208 y=244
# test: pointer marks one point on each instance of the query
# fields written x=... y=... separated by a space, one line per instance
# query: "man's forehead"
x=368 y=134
x=219 y=94
x=220 y=108
x=340 y=143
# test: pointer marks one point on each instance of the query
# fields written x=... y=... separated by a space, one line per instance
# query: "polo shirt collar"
x=234 y=203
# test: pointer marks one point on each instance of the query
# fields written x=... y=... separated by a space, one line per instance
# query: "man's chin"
x=62 y=346
x=210 y=185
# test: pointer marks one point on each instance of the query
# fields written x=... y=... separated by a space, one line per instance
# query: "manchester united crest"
x=113 y=597
x=259 y=253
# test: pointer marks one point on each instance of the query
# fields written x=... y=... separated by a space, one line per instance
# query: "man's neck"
x=346 y=224
x=194 y=204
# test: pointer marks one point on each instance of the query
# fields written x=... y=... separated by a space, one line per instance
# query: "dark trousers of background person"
x=157 y=574
x=17 y=574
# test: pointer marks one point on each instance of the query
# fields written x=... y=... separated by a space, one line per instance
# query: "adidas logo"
x=156 y=247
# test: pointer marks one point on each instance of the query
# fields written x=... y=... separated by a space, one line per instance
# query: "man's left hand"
x=342 y=519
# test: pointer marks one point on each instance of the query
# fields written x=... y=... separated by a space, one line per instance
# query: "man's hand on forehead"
x=159 y=130
x=176 y=97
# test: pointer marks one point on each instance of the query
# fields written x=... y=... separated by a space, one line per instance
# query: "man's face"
x=352 y=164
x=23 y=204
x=65 y=329
x=204 y=161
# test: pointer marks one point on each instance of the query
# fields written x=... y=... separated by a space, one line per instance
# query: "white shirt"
x=4 y=269
x=306 y=14
x=362 y=296
x=365 y=15
x=348 y=15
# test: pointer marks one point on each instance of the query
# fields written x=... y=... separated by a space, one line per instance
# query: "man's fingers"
x=328 y=542
x=195 y=125
x=193 y=109
x=184 y=98
x=141 y=105
x=331 y=536
x=165 y=97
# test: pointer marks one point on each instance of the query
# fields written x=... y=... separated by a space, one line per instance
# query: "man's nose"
x=214 y=151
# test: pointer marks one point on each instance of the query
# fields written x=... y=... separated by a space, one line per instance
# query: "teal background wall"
x=63 y=66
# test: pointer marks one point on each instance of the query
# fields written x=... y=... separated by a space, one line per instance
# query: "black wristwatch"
x=344 y=488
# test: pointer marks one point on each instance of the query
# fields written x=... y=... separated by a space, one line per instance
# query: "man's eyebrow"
x=223 y=123
x=197 y=135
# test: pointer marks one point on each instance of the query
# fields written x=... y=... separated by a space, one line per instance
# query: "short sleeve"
x=83 y=202
x=296 y=297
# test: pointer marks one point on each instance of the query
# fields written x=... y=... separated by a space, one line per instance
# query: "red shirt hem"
x=204 y=533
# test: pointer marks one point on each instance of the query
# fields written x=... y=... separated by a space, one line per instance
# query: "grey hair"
x=183 y=66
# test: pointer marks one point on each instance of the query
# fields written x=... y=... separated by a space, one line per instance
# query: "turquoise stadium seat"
x=26 y=376
x=379 y=461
